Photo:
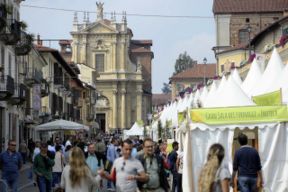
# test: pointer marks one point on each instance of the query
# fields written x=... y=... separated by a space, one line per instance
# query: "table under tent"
x=230 y=106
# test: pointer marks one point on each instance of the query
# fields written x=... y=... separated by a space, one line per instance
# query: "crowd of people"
x=127 y=166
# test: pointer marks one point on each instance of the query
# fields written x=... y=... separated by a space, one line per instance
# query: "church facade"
x=118 y=66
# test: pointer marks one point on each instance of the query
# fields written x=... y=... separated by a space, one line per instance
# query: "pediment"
x=100 y=27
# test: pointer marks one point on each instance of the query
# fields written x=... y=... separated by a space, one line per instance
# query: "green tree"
x=183 y=62
x=166 y=88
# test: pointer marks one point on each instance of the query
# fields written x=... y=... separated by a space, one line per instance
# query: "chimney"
x=39 y=41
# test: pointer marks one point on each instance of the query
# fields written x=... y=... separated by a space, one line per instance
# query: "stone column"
x=115 y=109
x=123 y=108
x=122 y=56
x=139 y=104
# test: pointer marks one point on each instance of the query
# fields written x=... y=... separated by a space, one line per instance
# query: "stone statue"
x=99 y=10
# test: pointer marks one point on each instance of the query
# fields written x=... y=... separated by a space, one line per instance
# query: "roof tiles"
x=248 y=6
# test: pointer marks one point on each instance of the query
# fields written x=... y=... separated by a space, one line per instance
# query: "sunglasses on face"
x=12 y=145
x=122 y=168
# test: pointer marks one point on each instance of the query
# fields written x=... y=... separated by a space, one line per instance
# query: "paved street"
x=26 y=185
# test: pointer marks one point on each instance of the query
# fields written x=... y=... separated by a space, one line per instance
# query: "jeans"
x=12 y=182
x=247 y=184
x=56 y=178
x=24 y=157
x=175 y=181
x=44 y=184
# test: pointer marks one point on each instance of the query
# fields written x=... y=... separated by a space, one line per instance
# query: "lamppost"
x=249 y=29
x=204 y=62
x=149 y=118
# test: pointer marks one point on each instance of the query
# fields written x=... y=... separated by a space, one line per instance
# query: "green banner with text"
x=272 y=98
x=240 y=115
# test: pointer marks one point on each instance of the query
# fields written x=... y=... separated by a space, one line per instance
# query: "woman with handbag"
x=76 y=176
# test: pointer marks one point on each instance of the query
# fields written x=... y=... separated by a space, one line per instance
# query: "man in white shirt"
x=126 y=170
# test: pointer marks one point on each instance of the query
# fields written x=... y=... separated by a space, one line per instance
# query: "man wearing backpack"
x=154 y=166
x=172 y=158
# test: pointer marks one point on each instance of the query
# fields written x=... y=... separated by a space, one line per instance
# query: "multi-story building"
x=188 y=79
x=119 y=66
x=14 y=44
x=237 y=23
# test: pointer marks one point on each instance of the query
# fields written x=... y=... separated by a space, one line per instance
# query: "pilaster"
x=123 y=108
x=114 y=91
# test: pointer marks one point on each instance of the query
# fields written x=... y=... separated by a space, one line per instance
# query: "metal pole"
x=205 y=62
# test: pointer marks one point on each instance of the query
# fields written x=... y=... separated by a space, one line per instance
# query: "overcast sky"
x=170 y=36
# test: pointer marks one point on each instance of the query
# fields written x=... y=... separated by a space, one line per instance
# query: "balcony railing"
x=19 y=95
x=11 y=33
x=31 y=116
x=24 y=46
x=33 y=76
x=6 y=87
x=44 y=88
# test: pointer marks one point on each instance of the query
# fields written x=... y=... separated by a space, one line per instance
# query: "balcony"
x=33 y=76
x=31 y=116
x=44 y=88
x=24 y=46
x=19 y=95
x=6 y=87
x=11 y=33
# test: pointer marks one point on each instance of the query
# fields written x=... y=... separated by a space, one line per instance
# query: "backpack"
x=162 y=174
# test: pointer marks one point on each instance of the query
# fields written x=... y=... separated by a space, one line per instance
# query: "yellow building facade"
x=101 y=51
x=261 y=48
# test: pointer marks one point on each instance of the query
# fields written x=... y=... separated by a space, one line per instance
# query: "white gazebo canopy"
x=61 y=124
x=135 y=130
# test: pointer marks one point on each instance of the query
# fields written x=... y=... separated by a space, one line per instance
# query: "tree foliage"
x=166 y=88
x=183 y=62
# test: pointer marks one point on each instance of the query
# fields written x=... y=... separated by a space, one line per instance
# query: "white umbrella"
x=61 y=125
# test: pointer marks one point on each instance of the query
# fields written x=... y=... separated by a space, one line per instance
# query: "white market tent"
x=211 y=96
x=135 y=130
x=284 y=84
x=272 y=137
x=252 y=78
x=231 y=95
x=270 y=76
x=60 y=125
x=235 y=75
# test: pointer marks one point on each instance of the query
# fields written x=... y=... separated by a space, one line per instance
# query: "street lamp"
x=204 y=62
x=249 y=29
x=149 y=118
